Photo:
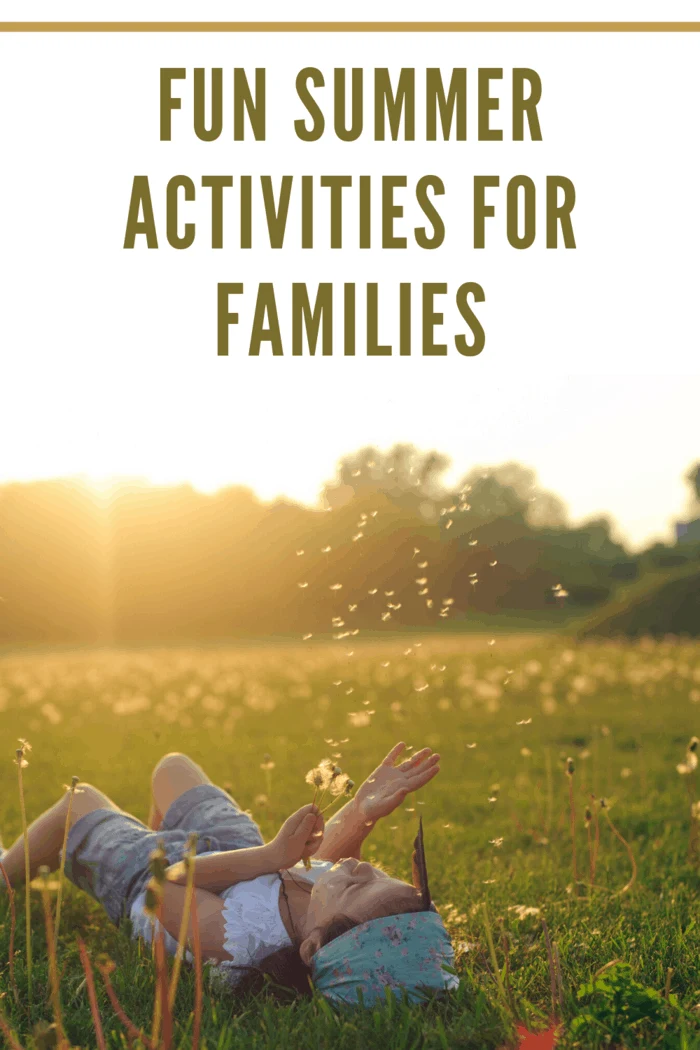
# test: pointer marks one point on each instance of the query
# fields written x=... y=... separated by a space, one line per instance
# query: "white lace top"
x=252 y=920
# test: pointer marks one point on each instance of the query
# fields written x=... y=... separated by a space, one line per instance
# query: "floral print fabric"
x=406 y=953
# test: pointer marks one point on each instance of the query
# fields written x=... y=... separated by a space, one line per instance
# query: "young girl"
x=345 y=924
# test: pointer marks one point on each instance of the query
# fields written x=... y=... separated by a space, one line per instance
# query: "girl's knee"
x=173 y=775
x=86 y=798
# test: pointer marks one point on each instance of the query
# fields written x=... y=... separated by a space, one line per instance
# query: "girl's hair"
x=284 y=973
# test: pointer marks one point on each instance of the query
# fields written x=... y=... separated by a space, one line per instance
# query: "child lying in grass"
x=343 y=923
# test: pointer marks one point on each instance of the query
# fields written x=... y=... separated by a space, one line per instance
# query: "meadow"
x=506 y=714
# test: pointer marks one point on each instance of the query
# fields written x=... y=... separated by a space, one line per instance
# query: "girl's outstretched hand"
x=389 y=784
x=300 y=836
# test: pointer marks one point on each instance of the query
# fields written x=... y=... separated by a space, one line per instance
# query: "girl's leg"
x=45 y=834
x=172 y=776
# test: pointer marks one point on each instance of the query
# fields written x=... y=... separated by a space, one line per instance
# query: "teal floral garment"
x=406 y=952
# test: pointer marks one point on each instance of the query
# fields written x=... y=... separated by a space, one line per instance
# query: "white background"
x=590 y=371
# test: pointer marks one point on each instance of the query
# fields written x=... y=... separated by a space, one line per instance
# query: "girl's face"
x=355 y=889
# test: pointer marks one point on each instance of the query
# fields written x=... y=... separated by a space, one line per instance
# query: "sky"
x=590 y=370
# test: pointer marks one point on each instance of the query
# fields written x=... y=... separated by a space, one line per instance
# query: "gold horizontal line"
x=349 y=27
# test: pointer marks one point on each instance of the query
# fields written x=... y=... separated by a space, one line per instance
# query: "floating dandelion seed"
x=356 y=473
x=473 y=543
x=524 y=722
x=325 y=550
x=471 y=745
x=423 y=592
x=493 y=798
x=351 y=608
x=357 y=536
x=492 y=641
x=335 y=587
x=448 y=601
x=302 y=585
x=373 y=591
x=339 y=682
x=429 y=602
x=448 y=524
x=416 y=550
x=350 y=690
x=306 y=637
x=388 y=594
x=385 y=663
x=492 y=563
x=422 y=580
x=422 y=565
x=473 y=582
x=386 y=616
x=299 y=554
x=496 y=842
x=421 y=688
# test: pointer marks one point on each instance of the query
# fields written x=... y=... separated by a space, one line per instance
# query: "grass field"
x=505 y=717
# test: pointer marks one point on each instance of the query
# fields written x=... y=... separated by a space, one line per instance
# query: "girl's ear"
x=309 y=946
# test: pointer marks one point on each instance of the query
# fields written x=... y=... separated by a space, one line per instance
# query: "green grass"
x=624 y=712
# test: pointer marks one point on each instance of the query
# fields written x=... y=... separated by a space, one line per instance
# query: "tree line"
x=151 y=563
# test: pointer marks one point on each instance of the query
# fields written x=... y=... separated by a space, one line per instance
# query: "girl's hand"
x=388 y=785
x=300 y=836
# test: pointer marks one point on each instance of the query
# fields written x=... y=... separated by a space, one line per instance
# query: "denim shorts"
x=107 y=852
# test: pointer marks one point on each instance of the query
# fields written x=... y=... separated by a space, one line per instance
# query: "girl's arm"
x=210 y=919
x=299 y=836
x=345 y=833
x=382 y=792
